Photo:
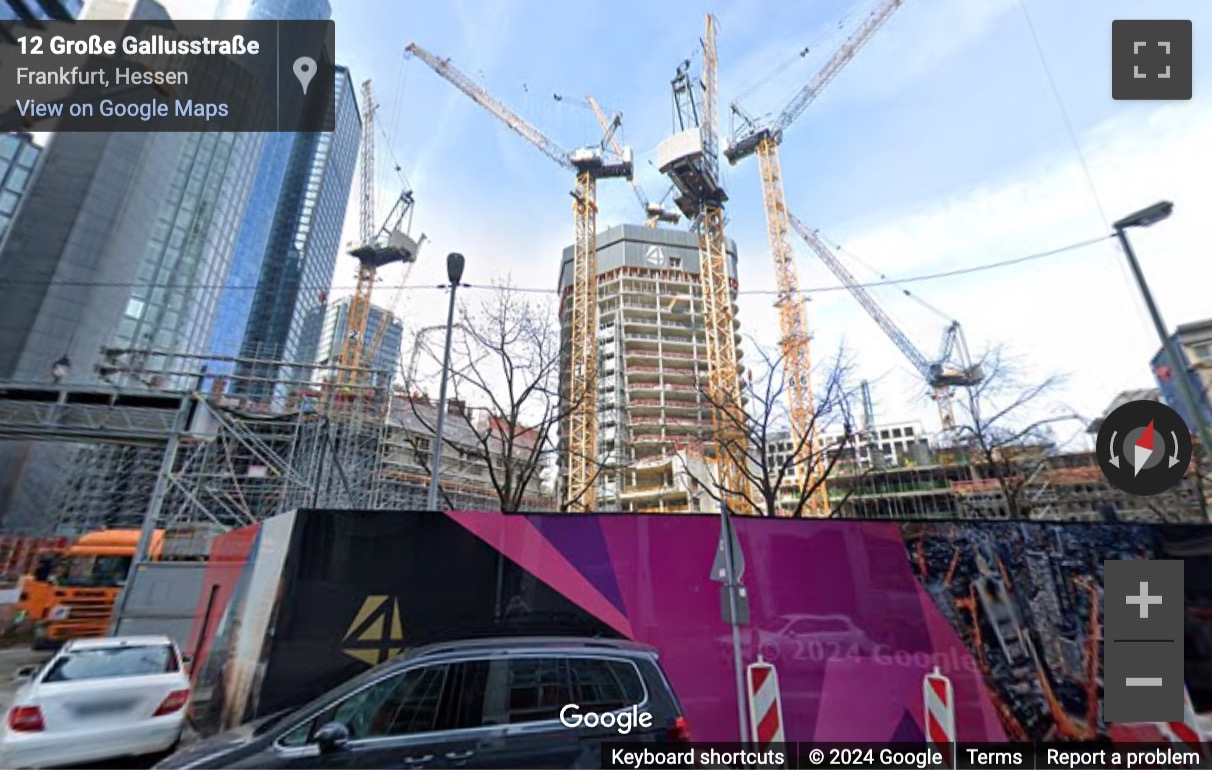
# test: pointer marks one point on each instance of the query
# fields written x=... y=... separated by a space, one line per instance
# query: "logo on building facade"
x=655 y=255
x=376 y=633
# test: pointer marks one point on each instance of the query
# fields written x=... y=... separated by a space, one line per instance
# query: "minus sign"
x=1143 y=681
x=1142 y=640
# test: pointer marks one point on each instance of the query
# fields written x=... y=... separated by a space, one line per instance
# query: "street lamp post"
x=1145 y=218
x=454 y=271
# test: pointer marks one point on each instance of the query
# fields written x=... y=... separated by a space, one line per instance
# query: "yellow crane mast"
x=373 y=251
x=359 y=306
x=590 y=164
x=690 y=159
x=763 y=140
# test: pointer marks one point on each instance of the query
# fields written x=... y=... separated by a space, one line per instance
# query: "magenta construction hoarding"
x=852 y=614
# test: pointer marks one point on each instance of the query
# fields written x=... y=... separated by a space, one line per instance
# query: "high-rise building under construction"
x=654 y=415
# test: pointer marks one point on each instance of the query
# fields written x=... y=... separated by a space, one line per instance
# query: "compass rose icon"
x=1144 y=448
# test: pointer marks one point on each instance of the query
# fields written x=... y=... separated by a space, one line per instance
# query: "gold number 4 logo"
x=376 y=633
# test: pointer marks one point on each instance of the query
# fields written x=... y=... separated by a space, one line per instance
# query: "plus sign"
x=1144 y=600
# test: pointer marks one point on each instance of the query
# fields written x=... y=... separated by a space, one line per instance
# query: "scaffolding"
x=319 y=442
x=1063 y=486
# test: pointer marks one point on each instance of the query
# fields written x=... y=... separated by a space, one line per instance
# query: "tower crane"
x=951 y=368
x=655 y=212
x=763 y=140
x=376 y=342
x=690 y=158
x=374 y=250
x=590 y=164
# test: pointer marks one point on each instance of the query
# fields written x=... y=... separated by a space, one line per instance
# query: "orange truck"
x=71 y=593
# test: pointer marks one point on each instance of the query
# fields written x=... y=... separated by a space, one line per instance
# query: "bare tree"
x=505 y=373
x=1006 y=423
x=803 y=464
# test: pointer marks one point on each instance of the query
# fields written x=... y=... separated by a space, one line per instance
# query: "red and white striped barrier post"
x=1187 y=732
x=765 y=706
x=940 y=714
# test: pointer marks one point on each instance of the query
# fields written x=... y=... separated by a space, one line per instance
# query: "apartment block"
x=465 y=477
x=883 y=445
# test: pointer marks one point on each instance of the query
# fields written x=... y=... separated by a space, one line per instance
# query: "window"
x=29 y=154
x=8 y=202
x=470 y=681
x=675 y=263
x=399 y=705
x=106 y=662
x=604 y=685
x=526 y=690
x=93 y=571
x=17 y=179
x=1202 y=351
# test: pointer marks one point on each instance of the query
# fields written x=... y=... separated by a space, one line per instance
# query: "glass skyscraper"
x=42 y=10
x=18 y=154
x=300 y=254
x=267 y=10
x=172 y=306
x=287 y=245
x=380 y=347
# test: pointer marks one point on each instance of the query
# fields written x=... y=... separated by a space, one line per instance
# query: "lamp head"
x=454 y=267
x=1146 y=217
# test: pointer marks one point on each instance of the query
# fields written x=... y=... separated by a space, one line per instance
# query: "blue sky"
x=941 y=145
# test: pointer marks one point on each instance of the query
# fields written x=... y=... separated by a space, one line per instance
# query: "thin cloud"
x=1078 y=314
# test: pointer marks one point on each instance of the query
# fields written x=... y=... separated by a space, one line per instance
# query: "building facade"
x=1194 y=341
x=78 y=240
x=882 y=445
x=300 y=255
x=75 y=247
x=40 y=10
x=172 y=306
x=380 y=347
x=466 y=482
x=1066 y=486
x=18 y=157
x=253 y=237
x=265 y=10
x=652 y=369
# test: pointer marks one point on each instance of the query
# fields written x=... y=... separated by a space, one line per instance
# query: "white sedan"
x=98 y=699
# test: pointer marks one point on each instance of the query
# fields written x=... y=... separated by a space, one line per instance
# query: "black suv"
x=483 y=703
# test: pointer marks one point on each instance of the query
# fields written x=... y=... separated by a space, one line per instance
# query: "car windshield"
x=106 y=662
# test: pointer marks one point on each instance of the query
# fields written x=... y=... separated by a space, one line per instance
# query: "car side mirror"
x=332 y=736
x=25 y=672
